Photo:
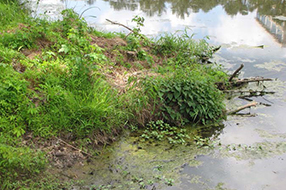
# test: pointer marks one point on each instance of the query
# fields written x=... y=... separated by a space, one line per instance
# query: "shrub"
x=185 y=97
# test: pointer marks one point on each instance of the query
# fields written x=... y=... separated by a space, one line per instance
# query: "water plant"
x=163 y=131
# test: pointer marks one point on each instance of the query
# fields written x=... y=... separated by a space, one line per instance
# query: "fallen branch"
x=254 y=79
x=254 y=92
x=246 y=114
x=253 y=104
x=238 y=82
x=116 y=23
x=235 y=73
x=250 y=100
x=73 y=147
x=131 y=31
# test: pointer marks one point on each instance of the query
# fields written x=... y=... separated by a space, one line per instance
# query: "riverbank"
x=67 y=89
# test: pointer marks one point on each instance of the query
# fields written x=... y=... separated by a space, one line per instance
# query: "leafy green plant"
x=18 y=163
x=169 y=182
x=139 y=23
x=186 y=98
x=163 y=131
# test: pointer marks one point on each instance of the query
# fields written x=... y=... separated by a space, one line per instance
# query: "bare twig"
x=116 y=23
x=131 y=31
x=235 y=73
x=252 y=104
x=73 y=147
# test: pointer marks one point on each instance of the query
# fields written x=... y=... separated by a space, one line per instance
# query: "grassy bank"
x=63 y=80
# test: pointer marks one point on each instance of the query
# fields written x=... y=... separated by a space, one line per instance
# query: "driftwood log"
x=252 y=104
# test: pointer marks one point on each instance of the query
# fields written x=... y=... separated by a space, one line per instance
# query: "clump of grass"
x=182 y=50
x=11 y=14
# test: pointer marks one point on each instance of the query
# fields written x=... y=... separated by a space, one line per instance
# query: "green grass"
x=11 y=14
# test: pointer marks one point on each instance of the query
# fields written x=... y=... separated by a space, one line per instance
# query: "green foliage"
x=14 y=105
x=163 y=131
x=72 y=21
x=11 y=14
x=139 y=23
x=24 y=37
x=186 y=97
x=18 y=163
x=85 y=112
x=8 y=55
x=182 y=50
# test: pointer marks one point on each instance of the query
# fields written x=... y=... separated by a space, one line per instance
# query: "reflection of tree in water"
x=90 y=2
x=235 y=7
x=181 y=8
x=270 y=7
x=131 y=5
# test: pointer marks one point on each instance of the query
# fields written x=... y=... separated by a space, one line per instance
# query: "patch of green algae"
x=134 y=164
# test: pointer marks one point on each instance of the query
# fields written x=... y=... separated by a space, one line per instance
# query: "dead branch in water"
x=235 y=73
x=253 y=79
x=253 y=104
x=238 y=82
x=251 y=92
x=255 y=94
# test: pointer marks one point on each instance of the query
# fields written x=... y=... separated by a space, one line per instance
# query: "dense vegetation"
x=61 y=79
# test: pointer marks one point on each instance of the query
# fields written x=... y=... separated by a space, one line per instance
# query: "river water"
x=251 y=153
